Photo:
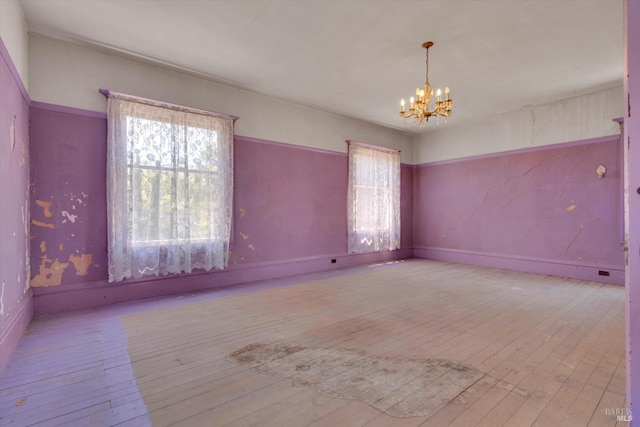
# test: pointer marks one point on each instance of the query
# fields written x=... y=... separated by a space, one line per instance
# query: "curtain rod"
x=373 y=147
x=162 y=104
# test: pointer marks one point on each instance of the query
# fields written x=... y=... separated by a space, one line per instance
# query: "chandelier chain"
x=427 y=67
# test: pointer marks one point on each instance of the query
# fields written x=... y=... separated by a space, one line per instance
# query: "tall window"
x=374 y=199
x=169 y=188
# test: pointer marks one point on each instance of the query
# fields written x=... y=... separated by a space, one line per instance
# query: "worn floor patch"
x=397 y=386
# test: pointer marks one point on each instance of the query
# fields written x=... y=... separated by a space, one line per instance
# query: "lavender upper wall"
x=290 y=206
x=545 y=205
x=15 y=302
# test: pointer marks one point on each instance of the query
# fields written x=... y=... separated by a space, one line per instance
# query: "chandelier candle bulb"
x=402 y=105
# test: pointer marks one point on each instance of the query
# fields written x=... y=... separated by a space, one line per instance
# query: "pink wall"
x=15 y=299
x=289 y=202
x=542 y=210
x=289 y=215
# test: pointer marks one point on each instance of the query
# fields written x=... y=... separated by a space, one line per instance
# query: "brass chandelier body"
x=420 y=107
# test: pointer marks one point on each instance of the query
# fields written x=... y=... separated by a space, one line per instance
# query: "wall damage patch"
x=46 y=208
x=1 y=300
x=68 y=216
x=42 y=224
x=82 y=263
x=50 y=273
x=27 y=239
x=12 y=133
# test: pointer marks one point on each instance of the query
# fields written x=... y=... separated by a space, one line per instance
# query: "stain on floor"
x=400 y=387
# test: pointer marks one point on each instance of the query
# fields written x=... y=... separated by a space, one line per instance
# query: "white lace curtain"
x=169 y=189
x=373 y=199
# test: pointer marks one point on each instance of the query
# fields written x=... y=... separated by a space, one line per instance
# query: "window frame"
x=168 y=156
x=363 y=235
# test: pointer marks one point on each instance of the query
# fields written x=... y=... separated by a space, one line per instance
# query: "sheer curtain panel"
x=373 y=199
x=169 y=188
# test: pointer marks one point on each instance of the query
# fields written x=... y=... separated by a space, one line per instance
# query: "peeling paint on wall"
x=43 y=246
x=46 y=208
x=24 y=160
x=253 y=248
x=61 y=247
x=82 y=263
x=12 y=133
x=78 y=200
x=42 y=224
x=24 y=211
x=50 y=273
x=243 y=212
x=244 y=236
x=27 y=238
x=68 y=216
x=1 y=300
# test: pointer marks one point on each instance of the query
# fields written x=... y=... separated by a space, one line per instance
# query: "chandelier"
x=419 y=108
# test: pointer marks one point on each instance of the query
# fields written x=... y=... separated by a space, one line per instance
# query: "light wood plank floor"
x=416 y=343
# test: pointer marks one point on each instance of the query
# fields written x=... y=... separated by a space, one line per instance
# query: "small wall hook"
x=601 y=170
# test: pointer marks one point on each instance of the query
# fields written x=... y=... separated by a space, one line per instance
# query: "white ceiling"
x=358 y=58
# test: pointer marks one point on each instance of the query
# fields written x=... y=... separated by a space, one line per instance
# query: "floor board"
x=385 y=345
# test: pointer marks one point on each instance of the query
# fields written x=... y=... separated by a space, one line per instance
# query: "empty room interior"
x=319 y=213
